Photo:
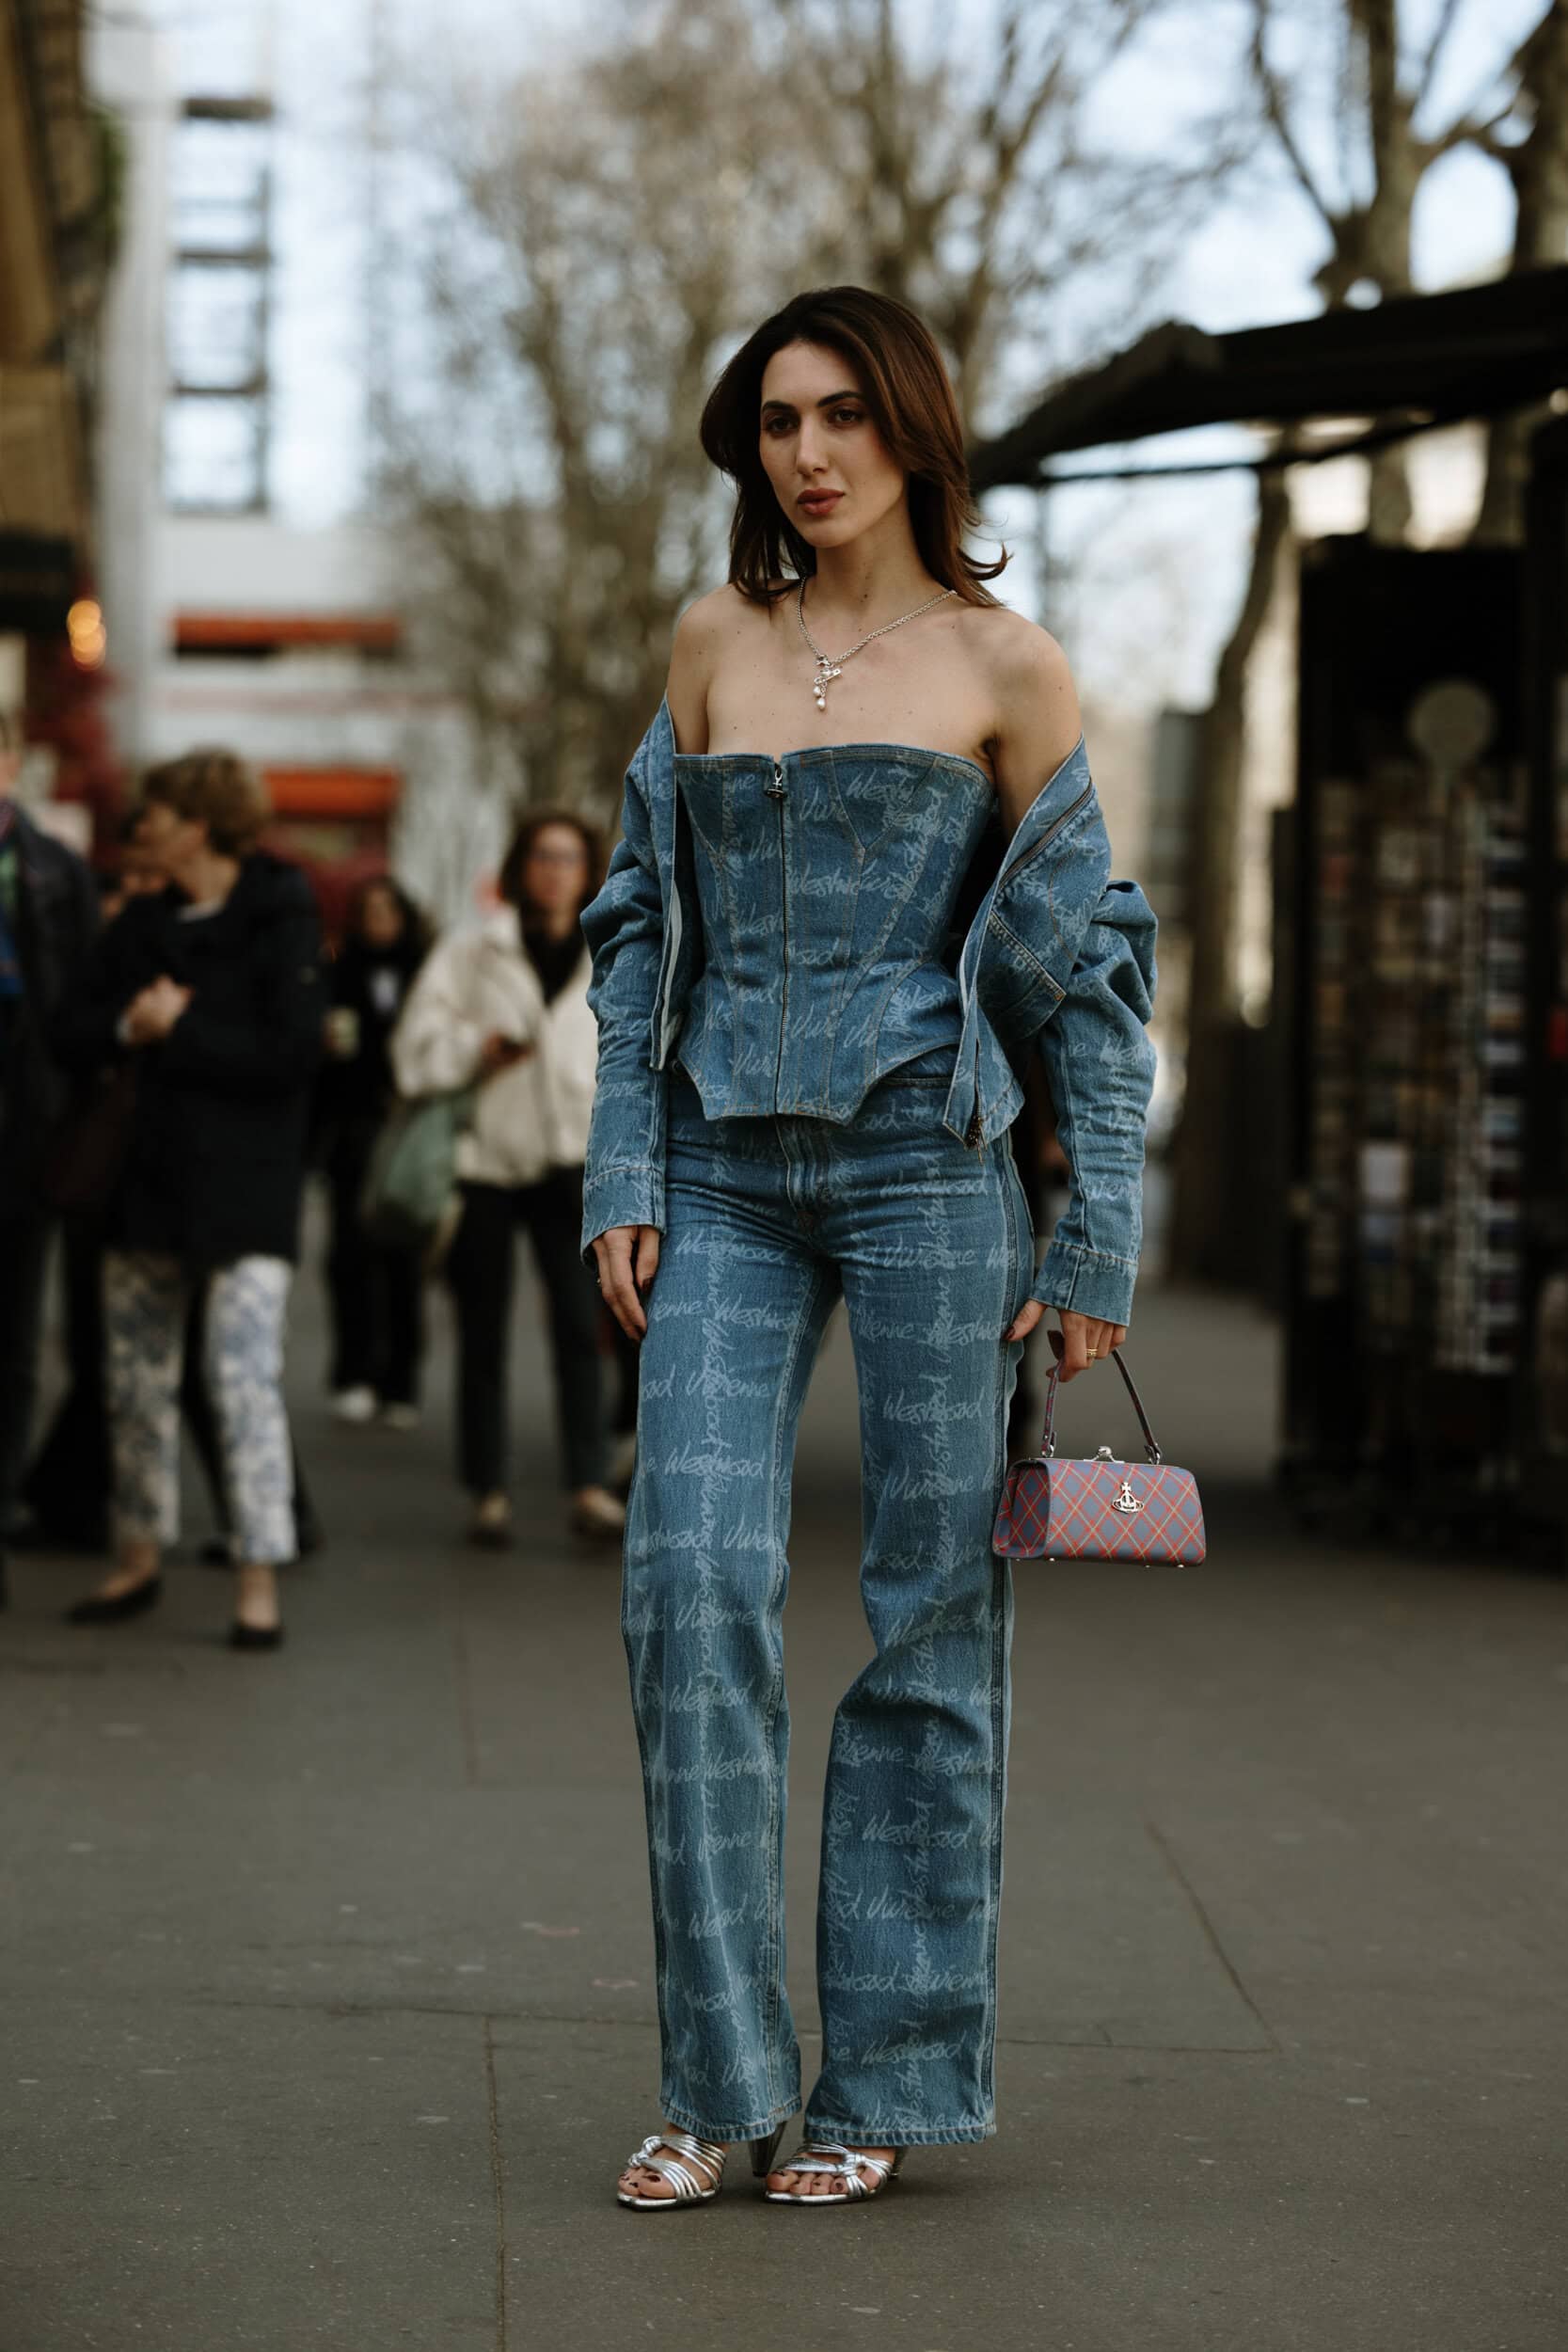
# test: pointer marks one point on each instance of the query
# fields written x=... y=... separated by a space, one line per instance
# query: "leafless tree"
x=593 y=248
x=1530 y=139
x=973 y=185
x=1359 y=134
x=610 y=228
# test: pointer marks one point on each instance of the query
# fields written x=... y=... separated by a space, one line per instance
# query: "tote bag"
x=409 y=1200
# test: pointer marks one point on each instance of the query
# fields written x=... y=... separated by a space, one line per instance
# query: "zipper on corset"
x=776 y=792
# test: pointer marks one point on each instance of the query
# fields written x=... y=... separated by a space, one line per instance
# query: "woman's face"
x=555 y=871
x=380 y=918
x=165 y=842
x=830 y=469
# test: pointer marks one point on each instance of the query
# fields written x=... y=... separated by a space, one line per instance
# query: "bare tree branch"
x=613 y=226
x=1426 y=72
x=1537 y=164
x=1276 y=112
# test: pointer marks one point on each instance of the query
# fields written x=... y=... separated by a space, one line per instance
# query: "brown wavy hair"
x=218 y=786
x=509 y=882
x=905 y=386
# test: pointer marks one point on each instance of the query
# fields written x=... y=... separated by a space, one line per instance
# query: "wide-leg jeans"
x=769 y=1222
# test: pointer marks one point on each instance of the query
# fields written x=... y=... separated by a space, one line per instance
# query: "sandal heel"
x=763 y=2154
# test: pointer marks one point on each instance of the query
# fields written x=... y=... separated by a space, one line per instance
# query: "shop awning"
x=1428 y=358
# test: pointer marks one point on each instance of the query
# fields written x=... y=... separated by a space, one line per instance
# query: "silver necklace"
x=827 y=667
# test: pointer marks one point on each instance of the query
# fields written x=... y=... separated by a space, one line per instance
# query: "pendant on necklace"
x=825 y=671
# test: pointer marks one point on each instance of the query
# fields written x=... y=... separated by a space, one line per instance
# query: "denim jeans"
x=769 y=1220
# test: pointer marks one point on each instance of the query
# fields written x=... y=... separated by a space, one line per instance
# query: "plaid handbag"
x=1100 y=1509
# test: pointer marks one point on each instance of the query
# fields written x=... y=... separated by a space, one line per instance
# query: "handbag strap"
x=1048 y=1441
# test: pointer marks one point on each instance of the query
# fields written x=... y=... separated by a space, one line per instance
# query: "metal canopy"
x=1472 y=353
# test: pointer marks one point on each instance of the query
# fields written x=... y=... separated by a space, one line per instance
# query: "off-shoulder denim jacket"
x=1059 y=958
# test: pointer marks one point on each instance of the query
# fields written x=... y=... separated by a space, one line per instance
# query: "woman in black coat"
x=214 y=988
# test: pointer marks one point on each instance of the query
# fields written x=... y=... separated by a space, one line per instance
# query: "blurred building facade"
x=227 y=622
x=59 y=196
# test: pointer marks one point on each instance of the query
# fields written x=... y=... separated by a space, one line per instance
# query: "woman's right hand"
x=628 y=1259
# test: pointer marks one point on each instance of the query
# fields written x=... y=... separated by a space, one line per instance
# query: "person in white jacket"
x=507 y=1004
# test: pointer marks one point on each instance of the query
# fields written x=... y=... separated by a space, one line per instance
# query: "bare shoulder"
x=1028 y=683
x=707 y=628
x=697 y=634
x=706 y=633
x=1028 y=686
x=1019 y=658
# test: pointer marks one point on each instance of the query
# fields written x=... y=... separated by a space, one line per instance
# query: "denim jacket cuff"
x=1088 y=1284
x=619 y=1196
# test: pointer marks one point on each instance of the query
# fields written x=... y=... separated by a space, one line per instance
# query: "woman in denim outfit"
x=804 y=1095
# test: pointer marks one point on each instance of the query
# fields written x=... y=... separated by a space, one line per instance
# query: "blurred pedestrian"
x=69 y=1489
x=505 y=1008
x=48 y=918
x=378 y=1293
x=213 y=990
x=69 y=1483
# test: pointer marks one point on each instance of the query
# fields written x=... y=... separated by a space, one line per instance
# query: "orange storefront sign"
x=266 y=632
x=367 y=792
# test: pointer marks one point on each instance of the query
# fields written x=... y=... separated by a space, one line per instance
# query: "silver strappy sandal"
x=677 y=2157
x=847 y=2164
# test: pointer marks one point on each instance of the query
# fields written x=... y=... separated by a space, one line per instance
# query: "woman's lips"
x=819 y=501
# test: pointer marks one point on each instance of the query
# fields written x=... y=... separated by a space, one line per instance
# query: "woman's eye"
x=847 y=416
x=777 y=426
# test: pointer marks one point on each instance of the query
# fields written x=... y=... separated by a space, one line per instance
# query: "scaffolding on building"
x=218 y=433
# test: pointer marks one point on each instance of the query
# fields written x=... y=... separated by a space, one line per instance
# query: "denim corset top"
x=826 y=882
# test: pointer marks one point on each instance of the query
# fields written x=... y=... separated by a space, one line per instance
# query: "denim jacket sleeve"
x=1100 y=1068
x=624 y=927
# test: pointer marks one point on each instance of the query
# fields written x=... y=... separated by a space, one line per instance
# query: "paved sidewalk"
x=326 y=1976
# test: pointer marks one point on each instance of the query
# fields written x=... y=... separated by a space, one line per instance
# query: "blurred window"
x=216 y=431
x=210 y=459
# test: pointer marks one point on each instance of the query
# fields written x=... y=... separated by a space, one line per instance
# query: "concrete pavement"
x=326 y=1976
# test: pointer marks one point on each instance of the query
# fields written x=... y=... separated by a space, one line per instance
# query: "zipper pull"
x=775 y=790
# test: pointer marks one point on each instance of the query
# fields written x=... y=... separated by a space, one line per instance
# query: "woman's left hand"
x=1081 y=1342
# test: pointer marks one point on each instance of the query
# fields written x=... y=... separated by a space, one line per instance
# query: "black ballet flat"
x=255 y=1636
x=97 y=1610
